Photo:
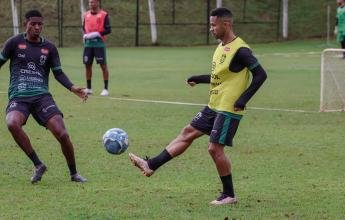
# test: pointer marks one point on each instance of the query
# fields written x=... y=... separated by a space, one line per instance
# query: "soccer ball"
x=115 y=141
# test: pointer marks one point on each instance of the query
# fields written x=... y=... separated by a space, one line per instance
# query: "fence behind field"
x=179 y=22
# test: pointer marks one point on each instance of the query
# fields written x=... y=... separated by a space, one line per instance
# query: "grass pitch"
x=286 y=164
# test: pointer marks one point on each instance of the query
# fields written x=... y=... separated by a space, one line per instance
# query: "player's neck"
x=95 y=11
x=229 y=37
x=33 y=39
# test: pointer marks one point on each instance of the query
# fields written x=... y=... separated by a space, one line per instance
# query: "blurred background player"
x=95 y=26
x=339 y=29
x=31 y=59
x=229 y=94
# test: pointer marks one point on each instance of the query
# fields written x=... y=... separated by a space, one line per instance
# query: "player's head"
x=33 y=23
x=94 y=5
x=220 y=22
x=341 y=2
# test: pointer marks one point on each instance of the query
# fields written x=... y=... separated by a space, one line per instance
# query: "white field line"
x=292 y=54
x=199 y=104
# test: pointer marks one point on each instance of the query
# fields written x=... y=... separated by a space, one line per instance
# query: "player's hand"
x=335 y=30
x=80 y=92
x=91 y=35
x=236 y=109
x=238 y=106
x=191 y=83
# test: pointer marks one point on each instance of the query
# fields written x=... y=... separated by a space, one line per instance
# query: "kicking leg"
x=175 y=148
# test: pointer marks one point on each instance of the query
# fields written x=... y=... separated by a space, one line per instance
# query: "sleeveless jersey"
x=226 y=86
x=94 y=22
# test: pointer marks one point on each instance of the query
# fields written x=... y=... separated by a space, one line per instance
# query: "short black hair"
x=221 y=13
x=33 y=13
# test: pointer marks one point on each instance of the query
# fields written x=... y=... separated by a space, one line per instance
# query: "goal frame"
x=322 y=85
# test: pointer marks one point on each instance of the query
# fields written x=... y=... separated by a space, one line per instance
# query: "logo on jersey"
x=226 y=49
x=222 y=59
x=32 y=66
x=12 y=105
x=43 y=59
x=22 y=46
x=213 y=66
x=21 y=55
x=44 y=51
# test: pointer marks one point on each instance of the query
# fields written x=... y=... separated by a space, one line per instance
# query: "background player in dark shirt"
x=31 y=59
x=229 y=94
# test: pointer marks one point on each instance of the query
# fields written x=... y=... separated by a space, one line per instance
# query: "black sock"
x=159 y=160
x=34 y=158
x=88 y=83
x=106 y=84
x=228 y=187
x=72 y=169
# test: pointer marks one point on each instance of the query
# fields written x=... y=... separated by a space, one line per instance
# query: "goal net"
x=332 y=95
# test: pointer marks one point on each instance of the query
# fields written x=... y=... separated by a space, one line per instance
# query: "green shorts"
x=220 y=126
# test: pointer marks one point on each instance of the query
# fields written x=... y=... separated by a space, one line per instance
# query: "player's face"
x=217 y=27
x=34 y=27
x=94 y=4
x=341 y=2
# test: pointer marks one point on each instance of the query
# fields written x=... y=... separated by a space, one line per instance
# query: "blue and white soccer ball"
x=115 y=141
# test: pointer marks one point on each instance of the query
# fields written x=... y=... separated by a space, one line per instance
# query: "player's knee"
x=63 y=136
x=214 y=151
x=187 y=134
x=13 y=126
x=211 y=151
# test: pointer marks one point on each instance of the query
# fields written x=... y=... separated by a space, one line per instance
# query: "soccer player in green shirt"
x=339 y=29
x=32 y=58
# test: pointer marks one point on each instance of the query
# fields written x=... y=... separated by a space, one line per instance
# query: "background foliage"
x=256 y=21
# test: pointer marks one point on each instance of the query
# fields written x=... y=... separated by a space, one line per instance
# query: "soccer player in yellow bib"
x=230 y=90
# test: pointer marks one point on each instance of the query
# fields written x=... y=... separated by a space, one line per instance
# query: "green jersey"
x=341 y=23
x=30 y=65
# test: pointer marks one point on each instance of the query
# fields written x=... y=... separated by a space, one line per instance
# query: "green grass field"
x=286 y=164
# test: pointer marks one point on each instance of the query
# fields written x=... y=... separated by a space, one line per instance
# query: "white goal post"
x=332 y=89
x=14 y=17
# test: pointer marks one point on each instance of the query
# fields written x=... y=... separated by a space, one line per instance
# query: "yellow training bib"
x=226 y=86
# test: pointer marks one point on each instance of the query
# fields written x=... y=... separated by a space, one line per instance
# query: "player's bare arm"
x=80 y=92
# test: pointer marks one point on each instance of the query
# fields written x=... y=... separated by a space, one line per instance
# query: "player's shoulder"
x=244 y=53
x=104 y=12
x=14 y=41
x=244 y=50
x=17 y=38
x=47 y=43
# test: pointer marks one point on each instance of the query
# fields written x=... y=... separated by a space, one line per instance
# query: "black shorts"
x=42 y=107
x=220 y=126
x=94 y=52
